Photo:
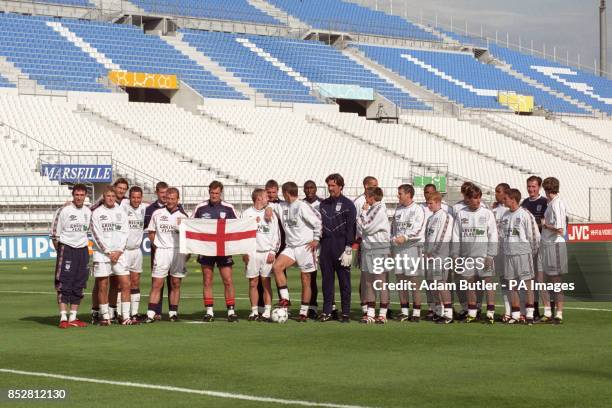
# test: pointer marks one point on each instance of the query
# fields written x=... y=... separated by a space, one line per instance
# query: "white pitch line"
x=209 y=393
x=25 y=292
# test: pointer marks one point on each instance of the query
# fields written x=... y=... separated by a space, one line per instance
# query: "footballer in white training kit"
x=476 y=231
x=302 y=226
x=135 y=210
x=374 y=229
x=164 y=233
x=407 y=237
x=521 y=239
x=109 y=229
x=438 y=240
x=258 y=265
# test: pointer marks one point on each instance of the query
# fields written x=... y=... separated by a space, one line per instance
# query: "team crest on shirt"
x=539 y=207
x=163 y=218
x=222 y=214
x=338 y=207
x=103 y=218
x=464 y=220
x=67 y=265
x=72 y=218
x=206 y=216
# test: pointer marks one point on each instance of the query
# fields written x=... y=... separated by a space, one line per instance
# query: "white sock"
x=304 y=310
x=254 y=310
x=63 y=315
x=125 y=310
x=151 y=314
x=73 y=315
x=416 y=312
x=516 y=315
x=364 y=309
x=405 y=311
x=284 y=293
x=530 y=311
x=267 y=311
x=472 y=312
x=448 y=313
x=371 y=312
x=547 y=311
x=134 y=303
x=507 y=307
x=172 y=313
x=231 y=311
x=104 y=311
x=112 y=311
x=119 y=311
x=382 y=312
x=490 y=314
x=559 y=315
x=210 y=311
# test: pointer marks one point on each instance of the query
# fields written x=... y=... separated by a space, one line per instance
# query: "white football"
x=279 y=315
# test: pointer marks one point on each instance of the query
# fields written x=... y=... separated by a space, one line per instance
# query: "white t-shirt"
x=109 y=230
x=520 y=232
x=556 y=216
x=136 y=224
x=165 y=225
x=268 y=233
x=70 y=226
x=301 y=223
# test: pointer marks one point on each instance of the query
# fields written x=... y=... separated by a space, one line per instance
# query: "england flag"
x=218 y=237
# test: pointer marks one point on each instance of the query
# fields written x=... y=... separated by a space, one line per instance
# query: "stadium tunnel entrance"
x=149 y=95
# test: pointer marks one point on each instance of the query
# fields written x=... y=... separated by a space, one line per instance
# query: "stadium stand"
x=4 y=83
x=598 y=128
x=581 y=86
x=78 y=3
x=338 y=15
x=460 y=77
x=283 y=68
x=235 y=10
x=46 y=56
x=248 y=63
x=128 y=47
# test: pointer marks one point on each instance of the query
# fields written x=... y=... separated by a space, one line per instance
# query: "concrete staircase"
x=497 y=124
x=14 y=75
x=279 y=14
x=212 y=66
x=583 y=132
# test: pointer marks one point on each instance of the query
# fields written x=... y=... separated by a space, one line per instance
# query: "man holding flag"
x=216 y=209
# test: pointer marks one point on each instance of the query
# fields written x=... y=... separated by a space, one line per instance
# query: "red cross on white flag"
x=218 y=237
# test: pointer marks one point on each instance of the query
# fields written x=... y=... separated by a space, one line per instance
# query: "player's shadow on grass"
x=45 y=320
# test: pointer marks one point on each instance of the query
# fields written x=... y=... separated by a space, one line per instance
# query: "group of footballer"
x=514 y=240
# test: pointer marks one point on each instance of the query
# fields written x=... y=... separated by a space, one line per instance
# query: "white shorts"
x=475 y=269
x=106 y=269
x=372 y=260
x=133 y=260
x=518 y=267
x=169 y=261
x=414 y=261
x=258 y=265
x=306 y=259
x=552 y=259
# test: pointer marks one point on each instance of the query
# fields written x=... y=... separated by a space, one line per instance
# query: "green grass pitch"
x=397 y=365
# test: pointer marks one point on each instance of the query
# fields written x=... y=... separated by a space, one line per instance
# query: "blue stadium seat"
x=235 y=10
x=46 y=56
x=314 y=61
x=579 y=85
x=79 y=3
x=461 y=78
x=339 y=15
x=4 y=83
